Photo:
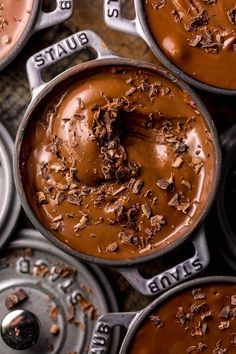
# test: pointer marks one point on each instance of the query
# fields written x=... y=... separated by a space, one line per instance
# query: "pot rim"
x=28 y=31
x=173 y=292
x=147 y=36
x=83 y=68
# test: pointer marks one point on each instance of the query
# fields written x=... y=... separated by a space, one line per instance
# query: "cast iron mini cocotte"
x=226 y=198
x=45 y=296
x=139 y=27
x=38 y=21
x=133 y=321
x=40 y=90
x=9 y=201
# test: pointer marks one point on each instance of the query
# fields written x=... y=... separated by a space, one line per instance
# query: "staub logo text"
x=170 y=278
x=65 y=4
x=61 y=49
x=101 y=339
x=112 y=10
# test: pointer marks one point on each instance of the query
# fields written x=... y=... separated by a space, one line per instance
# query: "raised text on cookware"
x=101 y=339
x=61 y=49
x=65 y=5
x=112 y=12
x=169 y=279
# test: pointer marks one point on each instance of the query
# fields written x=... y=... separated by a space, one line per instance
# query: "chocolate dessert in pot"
x=198 y=320
x=14 y=17
x=197 y=36
x=118 y=162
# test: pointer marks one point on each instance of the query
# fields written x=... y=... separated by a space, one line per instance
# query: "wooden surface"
x=15 y=96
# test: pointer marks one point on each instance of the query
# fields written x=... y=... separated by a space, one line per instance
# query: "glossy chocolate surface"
x=195 y=321
x=117 y=163
x=14 y=17
x=197 y=36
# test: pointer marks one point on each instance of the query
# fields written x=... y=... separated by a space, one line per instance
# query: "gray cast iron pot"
x=133 y=321
x=139 y=27
x=227 y=194
x=40 y=90
x=38 y=21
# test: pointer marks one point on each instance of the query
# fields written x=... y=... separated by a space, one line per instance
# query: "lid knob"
x=20 y=329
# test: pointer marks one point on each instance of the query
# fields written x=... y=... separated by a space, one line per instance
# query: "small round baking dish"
x=133 y=322
x=39 y=20
x=128 y=267
x=139 y=27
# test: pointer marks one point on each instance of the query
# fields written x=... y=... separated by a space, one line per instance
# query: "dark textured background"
x=15 y=96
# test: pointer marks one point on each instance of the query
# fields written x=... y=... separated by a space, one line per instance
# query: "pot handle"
x=102 y=332
x=114 y=19
x=175 y=275
x=66 y=47
x=62 y=12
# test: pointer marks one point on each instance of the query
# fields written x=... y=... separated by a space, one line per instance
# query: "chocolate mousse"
x=14 y=17
x=198 y=36
x=117 y=162
x=198 y=320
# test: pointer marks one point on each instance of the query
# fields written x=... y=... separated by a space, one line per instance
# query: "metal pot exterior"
x=139 y=27
x=40 y=90
x=102 y=334
x=39 y=20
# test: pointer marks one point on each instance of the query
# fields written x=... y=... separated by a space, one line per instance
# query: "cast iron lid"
x=226 y=201
x=53 y=298
x=9 y=203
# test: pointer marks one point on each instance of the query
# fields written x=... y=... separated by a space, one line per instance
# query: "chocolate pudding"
x=197 y=320
x=117 y=162
x=197 y=36
x=14 y=17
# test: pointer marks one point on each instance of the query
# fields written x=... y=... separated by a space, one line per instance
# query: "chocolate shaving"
x=132 y=215
x=195 y=40
x=137 y=187
x=147 y=211
x=41 y=198
x=130 y=91
x=233 y=300
x=201 y=347
x=197 y=164
x=44 y=170
x=180 y=148
x=232 y=15
x=157 y=221
x=177 y=15
x=113 y=247
x=126 y=238
x=181 y=316
x=225 y=312
x=54 y=329
x=197 y=21
x=224 y=325
x=15 y=299
x=159 y=4
x=166 y=184
x=178 y=162
x=82 y=223
x=198 y=294
x=157 y=321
